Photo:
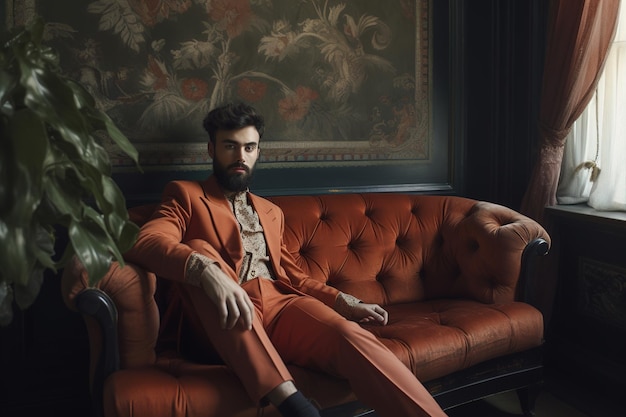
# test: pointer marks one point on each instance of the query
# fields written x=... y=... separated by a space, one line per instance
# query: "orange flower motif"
x=295 y=106
x=233 y=15
x=250 y=90
x=305 y=93
x=291 y=108
x=194 y=89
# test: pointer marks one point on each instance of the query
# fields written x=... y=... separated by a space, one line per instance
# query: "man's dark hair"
x=232 y=116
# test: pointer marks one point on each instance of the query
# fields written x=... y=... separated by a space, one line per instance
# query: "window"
x=594 y=163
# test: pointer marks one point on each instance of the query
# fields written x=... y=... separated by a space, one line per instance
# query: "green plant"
x=54 y=173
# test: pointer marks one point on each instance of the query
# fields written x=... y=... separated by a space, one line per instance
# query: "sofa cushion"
x=168 y=388
x=435 y=338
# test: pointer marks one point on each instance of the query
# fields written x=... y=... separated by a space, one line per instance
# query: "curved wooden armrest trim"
x=97 y=304
x=528 y=273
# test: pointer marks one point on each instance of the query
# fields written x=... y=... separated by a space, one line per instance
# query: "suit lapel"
x=268 y=217
x=224 y=222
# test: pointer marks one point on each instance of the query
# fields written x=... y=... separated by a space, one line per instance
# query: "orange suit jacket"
x=197 y=217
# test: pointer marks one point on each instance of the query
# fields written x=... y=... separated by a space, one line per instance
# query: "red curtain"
x=579 y=35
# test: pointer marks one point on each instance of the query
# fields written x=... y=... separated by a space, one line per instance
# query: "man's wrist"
x=344 y=303
x=196 y=266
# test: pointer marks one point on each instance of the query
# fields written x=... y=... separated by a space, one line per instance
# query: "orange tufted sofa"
x=455 y=274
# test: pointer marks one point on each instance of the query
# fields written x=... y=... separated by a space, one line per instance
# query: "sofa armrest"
x=96 y=304
x=121 y=316
x=478 y=252
x=527 y=284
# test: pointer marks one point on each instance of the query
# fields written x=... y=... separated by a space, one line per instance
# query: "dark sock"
x=296 y=405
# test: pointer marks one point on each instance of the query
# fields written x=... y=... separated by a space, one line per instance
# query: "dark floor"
x=561 y=397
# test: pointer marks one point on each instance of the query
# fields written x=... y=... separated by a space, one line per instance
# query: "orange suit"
x=288 y=325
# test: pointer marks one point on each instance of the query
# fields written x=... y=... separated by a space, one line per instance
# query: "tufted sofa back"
x=399 y=248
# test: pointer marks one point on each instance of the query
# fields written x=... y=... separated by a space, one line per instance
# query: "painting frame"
x=331 y=165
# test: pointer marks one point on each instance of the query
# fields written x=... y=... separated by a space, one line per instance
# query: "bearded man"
x=260 y=311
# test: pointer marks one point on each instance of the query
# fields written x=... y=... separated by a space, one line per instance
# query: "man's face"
x=234 y=155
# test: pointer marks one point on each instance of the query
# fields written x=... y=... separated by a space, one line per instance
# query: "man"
x=255 y=305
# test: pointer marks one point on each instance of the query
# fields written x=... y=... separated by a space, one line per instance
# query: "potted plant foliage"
x=55 y=174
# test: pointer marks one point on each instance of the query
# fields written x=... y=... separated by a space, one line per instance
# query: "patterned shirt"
x=256 y=261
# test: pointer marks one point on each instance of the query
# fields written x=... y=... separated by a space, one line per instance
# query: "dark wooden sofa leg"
x=528 y=397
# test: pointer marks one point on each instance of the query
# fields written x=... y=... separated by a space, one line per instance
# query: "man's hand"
x=232 y=302
x=369 y=313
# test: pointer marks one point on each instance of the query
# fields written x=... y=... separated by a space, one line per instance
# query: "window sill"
x=583 y=212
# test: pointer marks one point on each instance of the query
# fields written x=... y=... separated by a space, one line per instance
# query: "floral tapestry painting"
x=339 y=83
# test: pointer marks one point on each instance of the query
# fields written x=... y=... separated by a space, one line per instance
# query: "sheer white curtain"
x=597 y=150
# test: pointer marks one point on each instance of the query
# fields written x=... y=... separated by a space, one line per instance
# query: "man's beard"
x=233 y=182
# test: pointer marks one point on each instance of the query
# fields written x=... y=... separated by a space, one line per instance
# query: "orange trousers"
x=301 y=330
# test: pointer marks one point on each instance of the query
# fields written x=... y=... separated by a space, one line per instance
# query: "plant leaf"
x=122 y=141
x=93 y=247
x=44 y=246
x=30 y=143
x=16 y=235
x=99 y=119
x=6 y=303
x=64 y=202
x=7 y=84
x=15 y=258
x=127 y=239
x=118 y=214
x=52 y=169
